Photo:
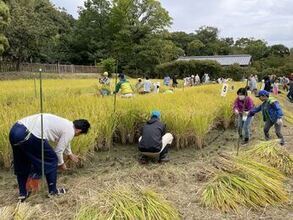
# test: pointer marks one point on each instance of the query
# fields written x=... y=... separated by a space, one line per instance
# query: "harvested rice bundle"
x=243 y=182
x=272 y=154
x=129 y=204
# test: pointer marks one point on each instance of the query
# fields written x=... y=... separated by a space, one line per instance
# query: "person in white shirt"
x=25 y=138
x=147 y=86
x=197 y=79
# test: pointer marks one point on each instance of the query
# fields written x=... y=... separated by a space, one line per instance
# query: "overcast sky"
x=270 y=20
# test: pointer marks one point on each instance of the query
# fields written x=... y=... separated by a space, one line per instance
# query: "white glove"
x=280 y=121
x=236 y=111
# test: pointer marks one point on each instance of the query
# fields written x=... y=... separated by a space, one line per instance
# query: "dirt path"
x=177 y=180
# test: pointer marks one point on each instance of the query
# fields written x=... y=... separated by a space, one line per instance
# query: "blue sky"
x=271 y=20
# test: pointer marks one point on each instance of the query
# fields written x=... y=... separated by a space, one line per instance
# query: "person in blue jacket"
x=272 y=114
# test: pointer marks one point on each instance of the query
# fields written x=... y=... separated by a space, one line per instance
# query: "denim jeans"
x=244 y=126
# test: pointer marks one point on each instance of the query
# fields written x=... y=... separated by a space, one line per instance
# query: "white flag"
x=224 y=90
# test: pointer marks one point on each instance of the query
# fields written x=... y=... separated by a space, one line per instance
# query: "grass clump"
x=129 y=204
x=243 y=182
x=272 y=154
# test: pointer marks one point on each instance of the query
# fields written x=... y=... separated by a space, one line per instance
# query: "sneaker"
x=22 y=198
x=282 y=142
x=245 y=141
x=164 y=159
x=144 y=159
x=58 y=192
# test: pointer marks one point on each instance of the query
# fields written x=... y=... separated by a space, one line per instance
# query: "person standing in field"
x=285 y=83
x=105 y=81
x=167 y=80
x=139 y=86
x=290 y=93
x=272 y=114
x=197 y=79
x=125 y=87
x=147 y=86
x=268 y=84
x=25 y=139
x=154 y=139
x=242 y=105
x=174 y=81
x=252 y=83
x=156 y=87
x=276 y=87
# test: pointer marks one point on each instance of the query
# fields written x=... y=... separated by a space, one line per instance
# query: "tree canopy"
x=133 y=32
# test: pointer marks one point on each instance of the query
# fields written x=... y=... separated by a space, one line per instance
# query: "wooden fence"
x=48 y=68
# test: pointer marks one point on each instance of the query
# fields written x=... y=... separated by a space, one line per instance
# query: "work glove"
x=280 y=121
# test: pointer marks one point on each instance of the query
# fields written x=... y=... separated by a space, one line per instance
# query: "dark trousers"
x=290 y=95
x=27 y=156
x=155 y=150
x=278 y=129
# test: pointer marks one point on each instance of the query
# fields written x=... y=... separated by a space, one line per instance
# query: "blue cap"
x=263 y=93
x=156 y=114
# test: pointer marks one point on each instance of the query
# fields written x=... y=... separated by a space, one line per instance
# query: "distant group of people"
x=273 y=84
x=143 y=86
x=195 y=80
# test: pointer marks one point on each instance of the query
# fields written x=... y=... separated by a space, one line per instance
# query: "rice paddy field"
x=204 y=179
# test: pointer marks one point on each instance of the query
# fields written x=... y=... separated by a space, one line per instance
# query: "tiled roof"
x=224 y=60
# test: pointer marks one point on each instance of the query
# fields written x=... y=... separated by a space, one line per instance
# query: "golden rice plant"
x=243 y=182
x=272 y=153
x=22 y=211
x=129 y=204
x=6 y=213
x=190 y=113
x=226 y=113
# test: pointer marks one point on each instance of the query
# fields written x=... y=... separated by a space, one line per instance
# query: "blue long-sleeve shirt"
x=271 y=110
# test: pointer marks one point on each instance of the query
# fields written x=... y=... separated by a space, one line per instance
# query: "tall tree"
x=207 y=34
x=34 y=28
x=4 y=19
x=279 y=50
x=91 y=37
x=132 y=21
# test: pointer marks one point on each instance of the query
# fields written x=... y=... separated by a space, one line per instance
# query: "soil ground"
x=178 y=180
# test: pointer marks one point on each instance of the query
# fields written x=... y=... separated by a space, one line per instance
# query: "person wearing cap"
x=26 y=137
x=125 y=87
x=242 y=105
x=272 y=114
x=154 y=138
x=105 y=81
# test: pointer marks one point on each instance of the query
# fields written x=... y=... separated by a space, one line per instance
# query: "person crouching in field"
x=154 y=140
x=125 y=86
x=272 y=114
x=25 y=139
x=242 y=105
